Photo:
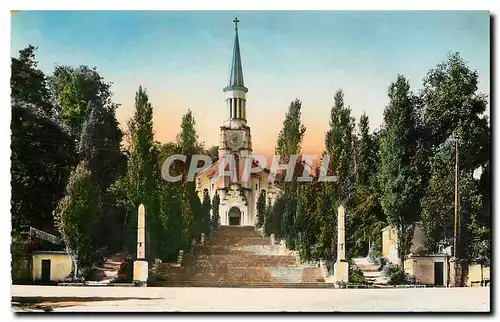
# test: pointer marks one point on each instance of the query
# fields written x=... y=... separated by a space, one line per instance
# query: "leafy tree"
x=205 y=212
x=367 y=218
x=261 y=209
x=28 y=83
x=339 y=145
x=215 y=212
x=292 y=133
x=289 y=143
x=399 y=176
x=187 y=143
x=76 y=90
x=100 y=145
x=453 y=105
x=140 y=183
x=78 y=214
x=438 y=203
x=453 y=108
x=340 y=148
x=213 y=152
x=172 y=221
x=474 y=239
x=42 y=149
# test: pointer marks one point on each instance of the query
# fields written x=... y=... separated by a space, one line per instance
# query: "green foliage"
x=140 y=183
x=438 y=203
x=172 y=221
x=215 y=212
x=76 y=90
x=187 y=139
x=356 y=277
x=289 y=143
x=453 y=105
x=78 y=214
x=187 y=144
x=28 y=83
x=213 y=152
x=292 y=133
x=454 y=110
x=261 y=209
x=367 y=219
x=339 y=145
x=274 y=213
x=399 y=178
x=42 y=149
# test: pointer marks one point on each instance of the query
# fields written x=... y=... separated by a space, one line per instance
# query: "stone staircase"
x=239 y=257
x=370 y=271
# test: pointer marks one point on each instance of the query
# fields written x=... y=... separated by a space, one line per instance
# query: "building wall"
x=422 y=267
x=61 y=266
x=475 y=277
x=390 y=243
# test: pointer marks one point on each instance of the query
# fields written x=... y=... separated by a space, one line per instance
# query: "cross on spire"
x=236 y=23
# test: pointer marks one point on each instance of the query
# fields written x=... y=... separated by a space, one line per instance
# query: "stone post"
x=141 y=265
x=341 y=267
x=202 y=239
x=273 y=240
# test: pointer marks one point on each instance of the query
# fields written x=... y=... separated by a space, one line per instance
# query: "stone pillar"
x=341 y=267
x=202 y=239
x=273 y=240
x=141 y=265
x=323 y=269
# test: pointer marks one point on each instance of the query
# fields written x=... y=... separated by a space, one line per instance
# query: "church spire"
x=236 y=76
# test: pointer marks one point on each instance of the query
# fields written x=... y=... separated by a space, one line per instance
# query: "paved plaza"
x=189 y=299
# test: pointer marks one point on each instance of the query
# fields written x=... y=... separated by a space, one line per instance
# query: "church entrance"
x=234 y=216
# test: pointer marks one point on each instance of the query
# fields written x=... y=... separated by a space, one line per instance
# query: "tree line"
x=402 y=174
x=76 y=173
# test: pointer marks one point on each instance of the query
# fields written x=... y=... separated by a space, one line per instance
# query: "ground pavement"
x=204 y=299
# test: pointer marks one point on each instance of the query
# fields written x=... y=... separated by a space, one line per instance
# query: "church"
x=238 y=193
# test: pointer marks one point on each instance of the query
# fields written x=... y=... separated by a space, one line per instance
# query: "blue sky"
x=183 y=59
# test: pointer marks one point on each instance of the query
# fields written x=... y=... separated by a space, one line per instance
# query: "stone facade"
x=237 y=177
x=428 y=269
x=390 y=242
x=60 y=263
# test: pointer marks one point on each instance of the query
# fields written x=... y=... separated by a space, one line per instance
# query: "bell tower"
x=235 y=134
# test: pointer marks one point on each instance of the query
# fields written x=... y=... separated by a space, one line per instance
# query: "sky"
x=183 y=60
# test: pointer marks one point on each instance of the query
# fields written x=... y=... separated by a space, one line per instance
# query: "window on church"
x=256 y=187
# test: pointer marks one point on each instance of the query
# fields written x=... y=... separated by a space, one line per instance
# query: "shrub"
x=357 y=277
x=397 y=276
x=126 y=270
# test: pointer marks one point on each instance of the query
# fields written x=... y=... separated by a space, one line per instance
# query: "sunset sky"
x=183 y=59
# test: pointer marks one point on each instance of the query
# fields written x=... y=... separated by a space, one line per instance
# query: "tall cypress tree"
x=399 y=175
x=139 y=184
x=289 y=143
x=339 y=146
x=261 y=209
x=215 y=212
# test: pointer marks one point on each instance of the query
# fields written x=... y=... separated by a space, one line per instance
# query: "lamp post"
x=457 y=202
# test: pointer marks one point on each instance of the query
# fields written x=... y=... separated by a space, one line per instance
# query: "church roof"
x=236 y=75
x=211 y=171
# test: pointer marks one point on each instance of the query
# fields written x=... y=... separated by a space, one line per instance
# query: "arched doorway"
x=234 y=216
